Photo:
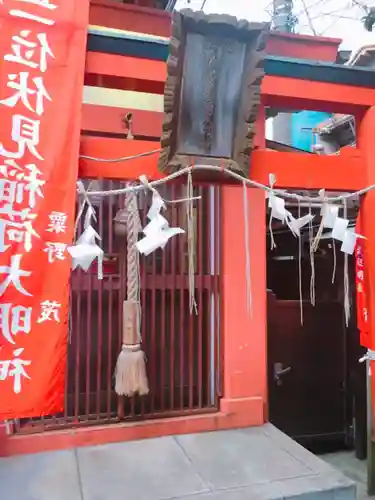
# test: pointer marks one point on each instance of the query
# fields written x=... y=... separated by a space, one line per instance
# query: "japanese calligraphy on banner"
x=42 y=51
x=362 y=312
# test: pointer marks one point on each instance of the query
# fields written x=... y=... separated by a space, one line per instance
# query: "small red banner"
x=362 y=311
x=42 y=51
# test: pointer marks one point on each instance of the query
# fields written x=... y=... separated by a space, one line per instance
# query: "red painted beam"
x=316 y=48
x=100 y=147
x=117 y=15
x=292 y=170
x=135 y=68
x=277 y=92
x=282 y=92
x=109 y=120
x=345 y=172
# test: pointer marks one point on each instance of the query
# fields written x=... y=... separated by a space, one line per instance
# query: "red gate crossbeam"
x=292 y=170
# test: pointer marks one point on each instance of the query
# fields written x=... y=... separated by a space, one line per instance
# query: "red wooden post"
x=3 y=438
x=244 y=336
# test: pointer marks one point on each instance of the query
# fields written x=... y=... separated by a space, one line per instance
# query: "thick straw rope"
x=130 y=373
x=230 y=173
x=133 y=226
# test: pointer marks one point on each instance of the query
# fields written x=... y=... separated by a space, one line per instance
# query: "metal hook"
x=128 y=123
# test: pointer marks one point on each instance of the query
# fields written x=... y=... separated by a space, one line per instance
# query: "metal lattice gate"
x=183 y=350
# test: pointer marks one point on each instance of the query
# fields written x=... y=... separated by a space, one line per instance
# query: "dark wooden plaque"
x=212 y=92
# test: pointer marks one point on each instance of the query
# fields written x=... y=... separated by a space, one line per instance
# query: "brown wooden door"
x=306 y=368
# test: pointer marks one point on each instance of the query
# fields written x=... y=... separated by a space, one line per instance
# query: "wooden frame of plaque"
x=212 y=91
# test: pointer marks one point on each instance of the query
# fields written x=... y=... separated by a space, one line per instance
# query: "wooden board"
x=210 y=118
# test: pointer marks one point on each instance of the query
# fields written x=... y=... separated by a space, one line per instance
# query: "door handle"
x=283 y=371
x=279 y=371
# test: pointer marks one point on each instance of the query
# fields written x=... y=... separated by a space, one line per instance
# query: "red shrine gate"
x=233 y=368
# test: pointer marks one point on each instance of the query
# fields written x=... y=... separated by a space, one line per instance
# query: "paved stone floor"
x=249 y=464
x=352 y=468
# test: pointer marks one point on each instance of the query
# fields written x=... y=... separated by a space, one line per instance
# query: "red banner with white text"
x=361 y=296
x=42 y=51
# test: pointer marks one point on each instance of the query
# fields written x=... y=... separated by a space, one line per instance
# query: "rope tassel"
x=131 y=377
x=130 y=372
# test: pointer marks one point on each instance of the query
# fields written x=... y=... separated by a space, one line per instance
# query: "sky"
x=333 y=18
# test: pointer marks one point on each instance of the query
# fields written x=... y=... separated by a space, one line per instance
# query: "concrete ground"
x=252 y=464
x=352 y=468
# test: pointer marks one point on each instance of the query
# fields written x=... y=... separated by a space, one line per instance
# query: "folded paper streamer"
x=85 y=251
x=329 y=214
x=157 y=232
x=350 y=240
x=295 y=225
x=277 y=206
x=156 y=206
x=157 y=224
x=275 y=203
x=279 y=212
x=339 y=228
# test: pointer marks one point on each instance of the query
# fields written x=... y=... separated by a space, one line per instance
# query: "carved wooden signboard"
x=212 y=92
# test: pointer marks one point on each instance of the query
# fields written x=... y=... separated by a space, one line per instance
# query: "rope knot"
x=131 y=347
x=369 y=356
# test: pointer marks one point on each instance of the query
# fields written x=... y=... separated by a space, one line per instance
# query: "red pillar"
x=3 y=437
x=244 y=336
x=366 y=143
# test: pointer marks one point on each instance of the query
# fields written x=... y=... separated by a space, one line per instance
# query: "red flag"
x=362 y=311
x=42 y=50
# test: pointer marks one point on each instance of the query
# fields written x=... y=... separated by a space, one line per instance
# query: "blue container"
x=302 y=125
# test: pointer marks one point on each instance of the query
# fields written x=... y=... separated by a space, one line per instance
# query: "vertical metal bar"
x=211 y=299
x=218 y=340
x=190 y=352
x=162 y=346
x=145 y=340
x=68 y=348
x=200 y=211
x=77 y=335
x=190 y=360
x=153 y=350
x=181 y=242
x=88 y=344
x=121 y=298
x=78 y=327
x=172 y=329
x=214 y=337
x=110 y=306
x=99 y=351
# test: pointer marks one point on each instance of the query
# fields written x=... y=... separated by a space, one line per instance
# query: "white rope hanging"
x=224 y=171
x=157 y=232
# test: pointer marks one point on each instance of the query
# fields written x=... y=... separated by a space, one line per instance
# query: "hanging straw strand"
x=346 y=278
x=334 y=260
x=191 y=244
x=249 y=296
x=300 y=270
x=312 y=262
